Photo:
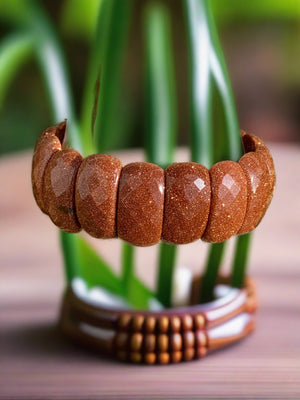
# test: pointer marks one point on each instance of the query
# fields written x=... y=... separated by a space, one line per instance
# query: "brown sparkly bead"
x=257 y=180
x=187 y=322
x=59 y=189
x=176 y=341
x=188 y=339
x=162 y=343
x=176 y=356
x=200 y=338
x=175 y=324
x=136 y=342
x=163 y=358
x=150 y=358
x=137 y=323
x=150 y=324
x=124 y=322
x=228 y=201
x=163 y=324
x=188 y=354
x=187 y=202
x=200 y=352
x=96 y=195
x=199 y=321
x=140 y=204
x=149 y=343
x=136 y=357
x=48 y=144
x=122 y=340
x=255 y=144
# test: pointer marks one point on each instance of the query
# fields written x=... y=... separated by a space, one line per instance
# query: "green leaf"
x=15 y=50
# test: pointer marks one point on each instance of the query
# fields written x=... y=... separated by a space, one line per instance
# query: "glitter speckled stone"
x=140 y=204
x=49 y=143
x=228 y=201
x=59 y=189
x=96 y=195
x=257 y=176
x=255 y=144
x=187 y=202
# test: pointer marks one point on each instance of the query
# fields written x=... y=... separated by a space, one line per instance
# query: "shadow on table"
x=43 y=341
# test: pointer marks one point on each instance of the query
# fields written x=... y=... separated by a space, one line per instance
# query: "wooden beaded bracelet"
x=164 y=337
x=143 y=204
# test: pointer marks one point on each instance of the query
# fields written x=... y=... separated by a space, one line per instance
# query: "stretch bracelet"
x=143 y=204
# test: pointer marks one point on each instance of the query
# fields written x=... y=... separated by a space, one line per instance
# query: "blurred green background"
x=261 y=44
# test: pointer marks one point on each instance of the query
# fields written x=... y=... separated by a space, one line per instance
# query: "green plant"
x=211 y=110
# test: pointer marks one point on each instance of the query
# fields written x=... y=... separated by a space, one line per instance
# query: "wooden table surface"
x=36 y=362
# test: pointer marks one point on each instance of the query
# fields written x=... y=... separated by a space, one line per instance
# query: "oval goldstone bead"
x=140 y=204
x=96 y=195
x=187 y=202
x=257 y=176
x=228 y=201
x=49 y=143
x=253 y=143
x=59 y=189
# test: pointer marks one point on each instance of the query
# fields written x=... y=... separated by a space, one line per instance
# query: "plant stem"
x=110 y=56
x=213 y=263
x=127 y=268
x=161 y=121
x=200 y=82
x=241 y=255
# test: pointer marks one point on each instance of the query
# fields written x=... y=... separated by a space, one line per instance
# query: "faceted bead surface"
x=187 y=202
x=257 y=176
x=59 y=189
x=49 y=143
x=140 y=204
x=228 y=201
x=255 y=144
x=96 y=195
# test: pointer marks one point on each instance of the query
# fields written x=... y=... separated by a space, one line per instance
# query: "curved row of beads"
x=143 y=204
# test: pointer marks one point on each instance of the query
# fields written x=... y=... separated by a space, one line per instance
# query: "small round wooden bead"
x=122 y=340
x=136 y=357
x=176 y=356
x=96 y=195
x=228 y=201
x=163 y=358
x=201 y=352
x=162 y=343
x=49 y=143
x=176 y=341
x=136 y=342
x=124 y=322
x=187 y=322
x=188 y=339
x=150 y=358
x=187 y=202
x=188 y=354
x=141 y=203
x=163 y=324
x=149 y=343
x=200 y=338
x=199 y=321
x=137 y=323
x=175 y=324
x=150 y=324
x=59 y=189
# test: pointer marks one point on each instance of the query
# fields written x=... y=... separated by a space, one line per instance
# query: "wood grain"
x=37 y=362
